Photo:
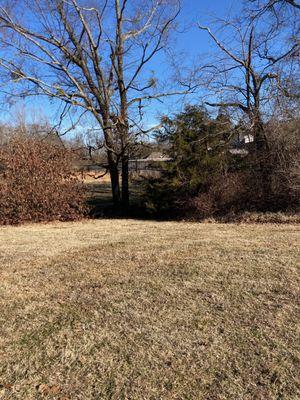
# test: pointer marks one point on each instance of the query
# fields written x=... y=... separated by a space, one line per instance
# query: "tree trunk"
x=125 y=181
x=263 y=162
x=260 y=136
x=114 y=178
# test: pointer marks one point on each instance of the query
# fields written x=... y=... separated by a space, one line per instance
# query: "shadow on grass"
x=101 y=205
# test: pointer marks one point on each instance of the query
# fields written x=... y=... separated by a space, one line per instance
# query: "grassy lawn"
x=124 y=309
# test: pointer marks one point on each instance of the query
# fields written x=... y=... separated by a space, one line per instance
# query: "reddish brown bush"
x=201 y=206
x=224 y=194
x=37 y=182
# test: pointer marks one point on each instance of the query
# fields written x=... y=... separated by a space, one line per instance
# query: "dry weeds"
x=146 y=310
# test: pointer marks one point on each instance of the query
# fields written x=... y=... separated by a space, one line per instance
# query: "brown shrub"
x=37 y=182
x=201 y=206
x=245 y=191
x=224 y=194
x=284 y=143
x=230 y=192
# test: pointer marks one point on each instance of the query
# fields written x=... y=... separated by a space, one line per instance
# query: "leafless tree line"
x=257 y=66
x=94 y=56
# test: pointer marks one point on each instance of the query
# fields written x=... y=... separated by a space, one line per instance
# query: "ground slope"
x=136 y=310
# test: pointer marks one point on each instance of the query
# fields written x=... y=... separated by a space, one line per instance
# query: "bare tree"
x=92 y=56
x=248 y=75
x=270 y=5
x=280 y=19
x=248 y=70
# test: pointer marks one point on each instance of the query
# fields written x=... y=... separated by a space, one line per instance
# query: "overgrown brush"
x=38 y=183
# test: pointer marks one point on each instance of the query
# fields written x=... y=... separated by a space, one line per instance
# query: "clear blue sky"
x=202 y=11
x=192 y=42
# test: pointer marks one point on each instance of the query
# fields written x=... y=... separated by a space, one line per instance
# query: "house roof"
x=157 y=156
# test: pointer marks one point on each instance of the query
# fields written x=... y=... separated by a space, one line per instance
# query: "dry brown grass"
x=259 y=218
x=146 y=310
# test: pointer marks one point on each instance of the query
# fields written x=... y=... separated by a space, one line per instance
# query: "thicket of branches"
x=95 y=58
x=37 y=182
x=92 y=57
x=252 y=76
x=213 y=173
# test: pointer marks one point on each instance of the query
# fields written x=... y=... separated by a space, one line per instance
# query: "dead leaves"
x=53 y=390
x=5 y=386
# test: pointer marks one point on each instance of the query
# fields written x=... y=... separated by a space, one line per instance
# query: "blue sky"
x=192 y=42
x=202 y=11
